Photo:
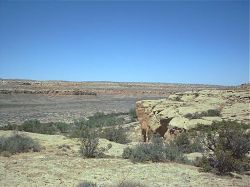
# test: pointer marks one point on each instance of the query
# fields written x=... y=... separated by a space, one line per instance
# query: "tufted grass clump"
x=18 y=143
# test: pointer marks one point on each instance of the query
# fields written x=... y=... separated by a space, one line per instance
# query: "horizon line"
x=109 y=81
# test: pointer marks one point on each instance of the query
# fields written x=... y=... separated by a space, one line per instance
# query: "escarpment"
x=183 y=111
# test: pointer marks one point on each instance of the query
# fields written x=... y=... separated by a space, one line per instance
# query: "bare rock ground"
x=189 y=109
x=57 y=165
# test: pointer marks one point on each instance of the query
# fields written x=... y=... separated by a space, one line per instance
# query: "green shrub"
x=98 y=120
x=89 y=143
x=104 y=120
x=182 y=142
x=141 y=153
x=198 y=115
x=133 y=115
x=227 y=144
x=173 y=153
x=62 y=127
x=18 y=143
x=188 y=144
x=196 y=94
x=78 y=127
x=87 y=184
x=115 y=134
x=36 y=126
x=213 y=112
x=130 y=184
x=178 y=98
x=155 y=151
x=127 y=152
x=9 y=126
x=203 y=163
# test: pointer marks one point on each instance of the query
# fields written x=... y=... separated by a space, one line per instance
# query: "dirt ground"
x=57 y=166
x=16 y=108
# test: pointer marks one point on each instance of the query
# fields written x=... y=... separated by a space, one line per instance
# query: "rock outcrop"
x=183 y=111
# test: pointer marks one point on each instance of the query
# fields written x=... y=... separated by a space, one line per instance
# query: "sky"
x=203 y=42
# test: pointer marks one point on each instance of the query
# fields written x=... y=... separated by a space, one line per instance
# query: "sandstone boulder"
x=183 y=111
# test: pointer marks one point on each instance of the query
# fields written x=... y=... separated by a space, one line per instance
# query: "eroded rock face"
x=183 y=111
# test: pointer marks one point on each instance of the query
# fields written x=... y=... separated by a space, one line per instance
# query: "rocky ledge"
x=182 y=111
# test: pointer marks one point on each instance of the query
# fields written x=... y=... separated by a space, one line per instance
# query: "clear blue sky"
x=154 y=41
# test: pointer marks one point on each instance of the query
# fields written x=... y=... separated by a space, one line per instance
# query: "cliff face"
x=183 y=111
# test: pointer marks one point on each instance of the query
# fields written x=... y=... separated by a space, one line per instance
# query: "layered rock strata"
x=183 y=111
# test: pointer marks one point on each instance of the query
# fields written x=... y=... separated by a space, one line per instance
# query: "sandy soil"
x=60 y=166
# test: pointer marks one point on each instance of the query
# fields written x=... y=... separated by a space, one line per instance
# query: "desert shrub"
x=104 y=120
x=98 y=120
x=155 y=151
x=178 y=98
x=188 y=144
x=198 y=115
x=18 y=143
x=62 y=127
x=203 y=163
x=130 y=184
x=89 y=142
x=127 y=152
x=5 y=154
x=36 y=126
x=132 y=114
x=78 y=127
x=9 y=126
x=141 y=153
x=117 y=134
x=87 y=184
x=227 y=145
x=213 y=112
x=173 y=153
x=182 y=142
x=196 y=94
x=196 y=145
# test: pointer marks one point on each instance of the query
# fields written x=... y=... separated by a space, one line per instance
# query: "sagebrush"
x=155 y=151
x=227 y=145
x=18 y=143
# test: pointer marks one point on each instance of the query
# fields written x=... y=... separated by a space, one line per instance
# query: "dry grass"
x=69 y=169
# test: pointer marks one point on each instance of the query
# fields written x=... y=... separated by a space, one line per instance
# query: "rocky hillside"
x=183 y=111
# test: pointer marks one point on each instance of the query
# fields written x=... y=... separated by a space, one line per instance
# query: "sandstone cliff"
x=182 y=111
